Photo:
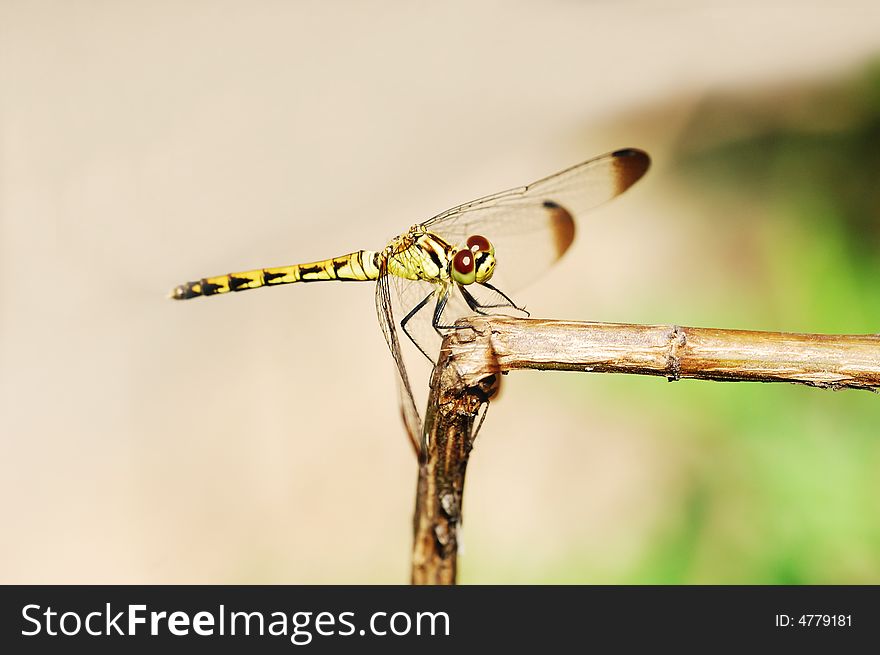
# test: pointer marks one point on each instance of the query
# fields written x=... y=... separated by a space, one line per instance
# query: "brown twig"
x=482 y=348
x=449 y=422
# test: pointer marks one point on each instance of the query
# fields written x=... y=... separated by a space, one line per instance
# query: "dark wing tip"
x=632 y=164
x=562 y=226
x=629 y=152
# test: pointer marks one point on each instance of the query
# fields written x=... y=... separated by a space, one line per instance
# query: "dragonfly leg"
x=415 y=310
x=438 y=313
x=505 y=296
x=441 y=305
x=474 y=304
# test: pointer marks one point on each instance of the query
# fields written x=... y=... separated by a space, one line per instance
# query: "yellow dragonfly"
x=442 y=268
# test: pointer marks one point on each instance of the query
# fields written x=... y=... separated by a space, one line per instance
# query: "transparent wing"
x=532 y=226
x=406 y=296
x=390 y=319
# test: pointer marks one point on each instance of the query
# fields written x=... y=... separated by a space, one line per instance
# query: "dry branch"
x=482 y=348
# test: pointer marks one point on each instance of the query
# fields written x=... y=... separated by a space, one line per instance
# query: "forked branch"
x=483 y=347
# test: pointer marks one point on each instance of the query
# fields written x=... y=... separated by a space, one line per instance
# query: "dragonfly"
x=462 y=261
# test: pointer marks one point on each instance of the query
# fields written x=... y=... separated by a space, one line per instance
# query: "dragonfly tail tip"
x=177 y=293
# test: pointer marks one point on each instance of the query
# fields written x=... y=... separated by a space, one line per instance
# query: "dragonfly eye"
x=484 y=265
x=463 y=267
x=477 y=243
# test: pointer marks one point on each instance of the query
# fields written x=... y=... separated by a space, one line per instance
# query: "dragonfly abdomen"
x=358 y=266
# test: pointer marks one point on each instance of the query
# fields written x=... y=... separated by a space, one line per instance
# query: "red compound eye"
x=476 y=242
x=463 y=262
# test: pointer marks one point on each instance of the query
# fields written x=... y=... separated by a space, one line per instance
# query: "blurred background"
x=255 y=438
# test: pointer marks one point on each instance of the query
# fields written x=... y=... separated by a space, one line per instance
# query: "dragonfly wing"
x=389 y=322
x=532 y=226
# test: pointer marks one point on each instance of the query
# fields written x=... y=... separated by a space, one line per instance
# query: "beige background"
x=255 y=438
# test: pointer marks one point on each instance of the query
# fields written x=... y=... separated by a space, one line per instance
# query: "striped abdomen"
x=357 y=266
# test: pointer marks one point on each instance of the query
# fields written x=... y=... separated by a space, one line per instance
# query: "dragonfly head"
x=474 y=262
